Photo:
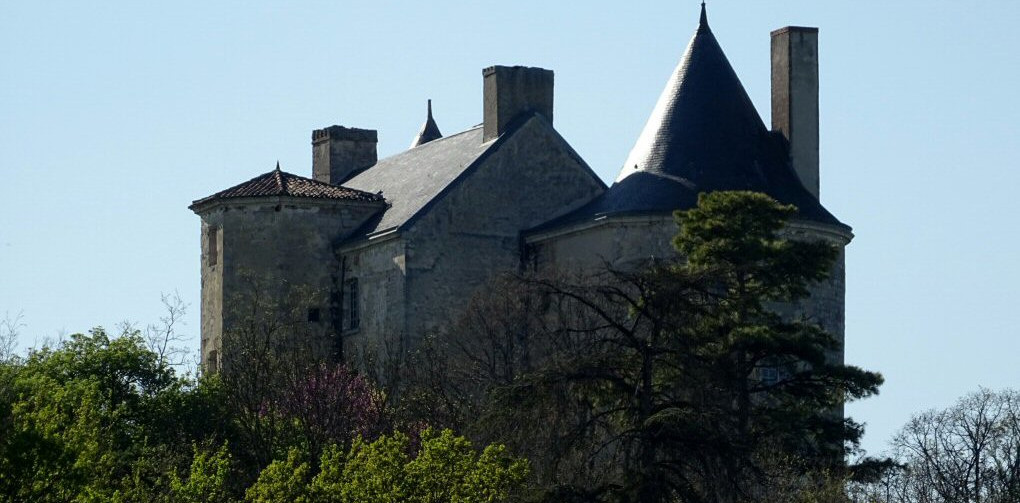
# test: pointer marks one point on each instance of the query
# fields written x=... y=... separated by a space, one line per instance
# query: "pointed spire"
x=703 y=23
x=704 y=128
x=429 y=131
x=277 y=165
x=703 y=135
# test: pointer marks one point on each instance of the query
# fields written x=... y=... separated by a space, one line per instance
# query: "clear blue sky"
x=114 y=116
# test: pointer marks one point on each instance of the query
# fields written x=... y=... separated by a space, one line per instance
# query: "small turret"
x=429 y=131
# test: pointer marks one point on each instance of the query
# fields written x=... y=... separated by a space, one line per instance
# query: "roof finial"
x=703 y=23
x=429 y=131
x=277 y=165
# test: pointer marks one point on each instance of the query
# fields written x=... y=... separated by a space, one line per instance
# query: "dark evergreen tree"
x=680 y=381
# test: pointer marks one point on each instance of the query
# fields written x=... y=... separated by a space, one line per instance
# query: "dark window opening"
x=769 y=372
x=212 y=246
x=351 y=304
x=212 y=363
x=314 y=315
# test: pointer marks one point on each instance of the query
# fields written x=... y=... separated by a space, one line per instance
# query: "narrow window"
x=211 y=364
x=313 y=314
x=353 y=310
x=212 y=248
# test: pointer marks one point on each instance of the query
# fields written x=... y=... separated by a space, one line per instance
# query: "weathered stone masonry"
x=389 y=250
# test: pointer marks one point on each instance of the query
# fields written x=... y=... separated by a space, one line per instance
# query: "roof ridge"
x=278 y=175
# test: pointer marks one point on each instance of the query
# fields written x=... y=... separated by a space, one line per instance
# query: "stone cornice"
x=581 y=226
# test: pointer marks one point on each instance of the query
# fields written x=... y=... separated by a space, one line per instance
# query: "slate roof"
x=281 y=183
x=703 y=135
x=429 y=131
x=412 y=179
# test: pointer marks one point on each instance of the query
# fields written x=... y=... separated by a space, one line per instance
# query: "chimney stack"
x=338 y=153
x=510 y=91
x=795 y=98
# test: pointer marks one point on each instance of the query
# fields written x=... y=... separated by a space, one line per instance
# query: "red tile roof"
x=280 y=183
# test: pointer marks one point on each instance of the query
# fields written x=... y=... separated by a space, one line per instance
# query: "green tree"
x=735 y=238
x=76 y=417
x=443 y=468
x=208 y=479
x=98 y=418
x=283 y=481
x=370 y=472
x=447 y=468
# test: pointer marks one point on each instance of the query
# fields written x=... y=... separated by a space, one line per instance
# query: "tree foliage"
x=675 y=381
x=102 y=418
x=208 y=479
x=90 y=420
x=443 y=468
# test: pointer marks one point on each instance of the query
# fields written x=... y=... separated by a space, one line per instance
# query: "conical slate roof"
x=703 y=135
x=429 y=130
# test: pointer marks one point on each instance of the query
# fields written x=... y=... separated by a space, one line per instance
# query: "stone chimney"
x=795 y=98
x=338 y=153
x=510 y=91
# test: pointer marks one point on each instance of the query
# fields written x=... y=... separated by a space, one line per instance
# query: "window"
x=351 y=308
x=314 y=315
x=212 y=363
x=212 y=245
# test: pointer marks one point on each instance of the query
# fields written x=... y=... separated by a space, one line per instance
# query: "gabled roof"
x=703 y=135
x=281 y=183
x=412 y=179
x=429 y=131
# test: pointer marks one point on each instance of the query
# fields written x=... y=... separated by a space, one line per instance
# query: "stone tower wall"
x=623 y=242
x=271 y=248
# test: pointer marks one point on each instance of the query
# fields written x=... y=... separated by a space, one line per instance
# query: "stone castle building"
x=390 y=249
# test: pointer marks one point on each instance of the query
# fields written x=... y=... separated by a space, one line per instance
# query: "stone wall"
x=212 y=287
x=616 y=241
x=826 y=305
x=272 y=248
x=474 y=231
x=623 y=242
x=379 y=268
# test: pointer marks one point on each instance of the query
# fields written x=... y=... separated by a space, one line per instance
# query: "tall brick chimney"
x=512 y=90
x=795 y=98
x=338 y=153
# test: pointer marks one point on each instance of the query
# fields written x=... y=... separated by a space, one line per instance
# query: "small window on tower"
x=212 y=246
x=212 y=364
x=313 y=315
